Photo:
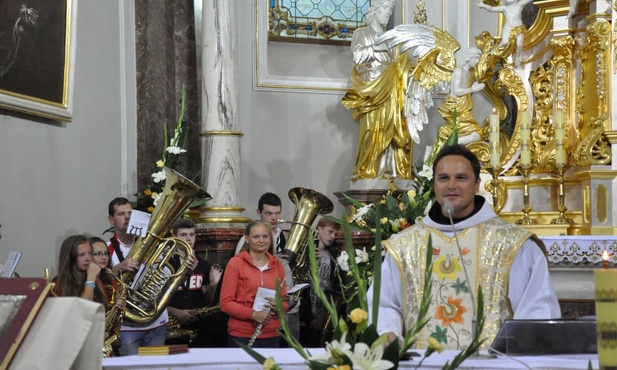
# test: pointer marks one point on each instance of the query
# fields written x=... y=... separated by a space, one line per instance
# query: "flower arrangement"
x=356 y=343
x=172 y=157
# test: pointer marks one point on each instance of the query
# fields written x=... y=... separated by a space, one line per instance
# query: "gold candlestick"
x=526 y=220
x=561 y=207
x=497 y=188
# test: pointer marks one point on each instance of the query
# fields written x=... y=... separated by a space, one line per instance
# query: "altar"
x=234 y=359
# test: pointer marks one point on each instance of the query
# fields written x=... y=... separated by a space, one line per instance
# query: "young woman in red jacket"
x=255 y=266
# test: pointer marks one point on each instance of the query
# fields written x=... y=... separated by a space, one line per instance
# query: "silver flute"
x=260 y=326
x=257 y=331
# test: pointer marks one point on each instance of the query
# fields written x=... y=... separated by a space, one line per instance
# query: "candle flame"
x=494 y=110
x=605 y=256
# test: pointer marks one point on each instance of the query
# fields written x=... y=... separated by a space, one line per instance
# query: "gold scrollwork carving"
x=498 y=188
x=593 y=95
x=541 y=145
x=594 y=147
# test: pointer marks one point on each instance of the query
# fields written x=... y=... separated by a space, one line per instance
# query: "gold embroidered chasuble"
x=488 y=252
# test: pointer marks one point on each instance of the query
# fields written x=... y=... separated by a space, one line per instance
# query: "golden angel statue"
x=436 y=68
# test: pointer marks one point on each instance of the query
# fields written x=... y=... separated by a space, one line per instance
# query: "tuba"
x=309 y=203
x=113 y=317
x=152 y=290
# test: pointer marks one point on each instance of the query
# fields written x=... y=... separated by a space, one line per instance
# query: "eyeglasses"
x=100 y=254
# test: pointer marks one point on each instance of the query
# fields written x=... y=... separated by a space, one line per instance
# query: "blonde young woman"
x=255 y=266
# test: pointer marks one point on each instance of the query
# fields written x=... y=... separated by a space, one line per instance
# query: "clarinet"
x=256 y=333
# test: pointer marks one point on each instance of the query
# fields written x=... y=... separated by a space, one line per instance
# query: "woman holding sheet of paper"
x=254 y=270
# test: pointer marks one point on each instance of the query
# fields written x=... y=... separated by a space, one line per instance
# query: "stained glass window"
x=316 y=21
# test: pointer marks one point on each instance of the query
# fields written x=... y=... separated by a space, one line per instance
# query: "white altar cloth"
x=235 y=359
x=580 y=248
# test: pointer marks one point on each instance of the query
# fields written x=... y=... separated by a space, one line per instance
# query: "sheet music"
x=297 y=287
x=260 y=298
x=138 y=224
x=11 y=264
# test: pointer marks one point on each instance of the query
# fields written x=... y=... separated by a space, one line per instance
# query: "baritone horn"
x=309 y=203
x=158 y=280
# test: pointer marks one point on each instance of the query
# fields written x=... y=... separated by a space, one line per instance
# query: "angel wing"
x=434 y=51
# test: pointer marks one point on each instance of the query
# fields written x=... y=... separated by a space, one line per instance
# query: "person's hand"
x=215 y=274
x=185 y=316
x=391 y=337
x=262 y=317
x=271 y=305
x=92 y=271
x=129 y=264
x=192 y=262
x=121 y=303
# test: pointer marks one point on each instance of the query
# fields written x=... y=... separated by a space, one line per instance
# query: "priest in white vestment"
x=508 y=263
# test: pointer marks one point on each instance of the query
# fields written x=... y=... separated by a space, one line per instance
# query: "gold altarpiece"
x=567 y=64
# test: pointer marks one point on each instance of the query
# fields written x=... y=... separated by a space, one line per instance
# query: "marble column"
x=220 y=139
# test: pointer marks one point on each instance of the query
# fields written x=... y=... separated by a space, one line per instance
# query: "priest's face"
x=456 y=183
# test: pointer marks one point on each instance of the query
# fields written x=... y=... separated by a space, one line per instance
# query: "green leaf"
x=391 y=203
x=254 y=354
x=285 y=331
x=377 y=271
x=391 y=353
x=369 y=335
x=327 y=300
x=182 y=125
x=316 y=365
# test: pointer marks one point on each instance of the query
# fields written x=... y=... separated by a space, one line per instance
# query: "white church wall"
x=57 y=178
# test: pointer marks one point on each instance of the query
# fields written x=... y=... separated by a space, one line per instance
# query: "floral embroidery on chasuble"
x=488 y=265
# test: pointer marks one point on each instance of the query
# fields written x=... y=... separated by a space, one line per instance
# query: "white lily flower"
x=175 y=150
x=158 y=176
x=361 y=212
x=364 y=358
x=361 y=255
x=426 y=172
x=343 y=261
x=156 y=199
x=334 y=349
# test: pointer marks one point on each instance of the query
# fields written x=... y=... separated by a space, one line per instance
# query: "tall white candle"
x=560 y=135
x=525 y=138
x=606 y=306
x=494 y=138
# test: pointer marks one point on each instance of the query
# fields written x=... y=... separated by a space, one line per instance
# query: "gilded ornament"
x=419 y=15
x=593 y=97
